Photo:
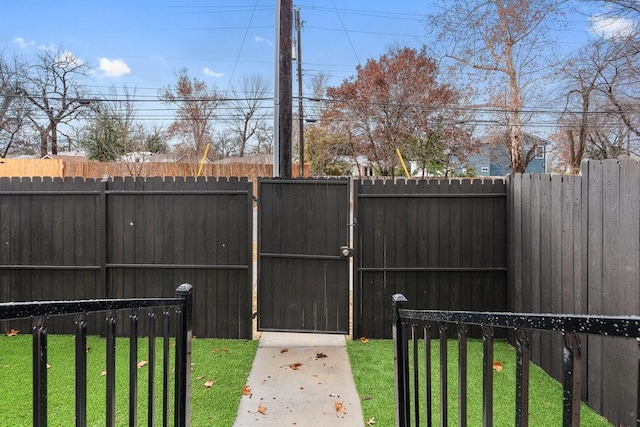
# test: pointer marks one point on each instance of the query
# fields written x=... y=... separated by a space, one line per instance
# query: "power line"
x=346 y=32
x=244 y=38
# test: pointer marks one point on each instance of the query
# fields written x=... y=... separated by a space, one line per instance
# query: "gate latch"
x=346 y=251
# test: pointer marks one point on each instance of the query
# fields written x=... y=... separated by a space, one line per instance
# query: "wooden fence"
x=442 y=243
x=126 y=238
x=69 y=168
x=575 y=248
x=541 y=244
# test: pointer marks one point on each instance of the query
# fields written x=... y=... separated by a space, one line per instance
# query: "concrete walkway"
x=300 y=380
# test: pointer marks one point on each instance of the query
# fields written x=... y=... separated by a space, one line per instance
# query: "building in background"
x=493 y=158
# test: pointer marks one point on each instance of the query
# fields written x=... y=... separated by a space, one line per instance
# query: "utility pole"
x=300 y=110
x=283 y=102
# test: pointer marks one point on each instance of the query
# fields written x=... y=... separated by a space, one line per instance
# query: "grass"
x=372 y=365
x=227 y=362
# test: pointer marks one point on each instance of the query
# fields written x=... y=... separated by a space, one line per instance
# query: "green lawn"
x=227 y=362
x=372 y=365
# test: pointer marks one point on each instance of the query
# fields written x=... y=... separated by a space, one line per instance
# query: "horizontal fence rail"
x=182 y=308
x=409 y=325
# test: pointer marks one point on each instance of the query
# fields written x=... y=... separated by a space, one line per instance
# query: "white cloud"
x=114 y=67
x=260 y=39
x=22 y=44
x=610 y=27
x=209 y=72
x=68 y=59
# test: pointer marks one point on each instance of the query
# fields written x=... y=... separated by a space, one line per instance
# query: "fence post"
x=572 y=366
x=39 y=364
x=183 y=357
x=400 y=363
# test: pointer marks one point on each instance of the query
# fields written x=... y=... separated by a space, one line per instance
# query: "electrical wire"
x=244 y=39
x=346 y=32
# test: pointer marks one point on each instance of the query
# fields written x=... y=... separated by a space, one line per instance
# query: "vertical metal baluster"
x=487 y=376
x=523 y=356
x=133 y=368
x=111 y=369
x=428 y=375
x=462 y=375
x=400 y=362
x=39 y=365
x=444 y=410
x=178 y=362
x=571 y=358
x=81 y=370
x=165 y=368
x=152 y=369
x=638 y=395
x=183 y=354
x=182 y=413
x=416 y=385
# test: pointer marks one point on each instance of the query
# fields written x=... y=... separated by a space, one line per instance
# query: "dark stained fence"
x=128 y=238
x=442 y=243
x=303 y=277
x=575 y=248
x=546 y=264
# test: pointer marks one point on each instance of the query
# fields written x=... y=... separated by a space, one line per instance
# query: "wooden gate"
x=303 y=262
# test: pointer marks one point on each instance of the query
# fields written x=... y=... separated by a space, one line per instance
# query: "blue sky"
x=142 y=43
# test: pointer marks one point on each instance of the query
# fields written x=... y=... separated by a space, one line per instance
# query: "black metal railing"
x=412 y=324
x=181 y=306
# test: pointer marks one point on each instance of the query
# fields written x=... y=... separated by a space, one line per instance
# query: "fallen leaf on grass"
x=321 y=356
x=246 y=390
x=340 y=407
x=364 y=340
x=371 y=421
x=13 y=333
x=497 y=366
x=209 y=383
x=48 y=366
x=142 y=363
x=199 y=377
x=295 y=366
x=262 y=409
x=103 y=373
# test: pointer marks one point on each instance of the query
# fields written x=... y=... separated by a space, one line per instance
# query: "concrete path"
x=300 y=380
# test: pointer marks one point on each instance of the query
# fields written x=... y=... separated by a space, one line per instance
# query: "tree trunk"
x=44 y=139
x=54 y=140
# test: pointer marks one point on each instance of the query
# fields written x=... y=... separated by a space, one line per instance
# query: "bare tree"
x=13 y=108
x=196 y=106
x=505 y=42
x=247 y=110
x=582 y=76
x=264 y=137
x=55 y=89
x=226 y=144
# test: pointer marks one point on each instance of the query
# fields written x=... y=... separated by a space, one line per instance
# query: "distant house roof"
x=254 y=159
x=73 y=155
x=147 y=157
x=493 y=159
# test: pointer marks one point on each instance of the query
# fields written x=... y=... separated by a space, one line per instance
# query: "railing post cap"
x=184 y=289
x=398 y=298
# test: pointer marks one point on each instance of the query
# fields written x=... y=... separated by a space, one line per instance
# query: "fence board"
x=575 y=249
x=75 y=238
x=435 y=241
